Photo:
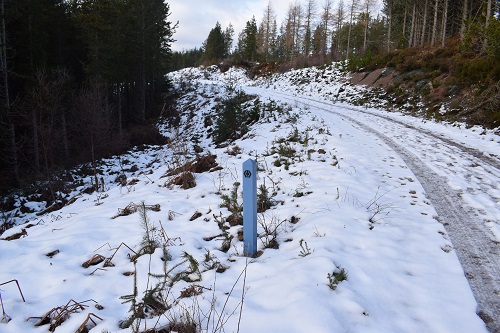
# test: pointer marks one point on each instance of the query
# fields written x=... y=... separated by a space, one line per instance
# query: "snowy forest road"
x=460 y=182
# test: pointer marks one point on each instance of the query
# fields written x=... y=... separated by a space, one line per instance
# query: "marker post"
x=250 y=207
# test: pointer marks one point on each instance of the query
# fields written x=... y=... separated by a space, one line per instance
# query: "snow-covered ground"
x=345 y=199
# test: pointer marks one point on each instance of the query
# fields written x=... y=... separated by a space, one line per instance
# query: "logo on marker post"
x=247 y=174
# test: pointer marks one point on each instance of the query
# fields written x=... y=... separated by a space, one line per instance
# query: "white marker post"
x=249 y=207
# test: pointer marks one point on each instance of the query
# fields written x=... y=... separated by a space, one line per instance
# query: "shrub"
x=358 y=62
x=231 y=122
x=304 y=248
x=264 y=200
x=337 y=276
x=146 y=134
x=475 y=70
x=493 y=36
x=185 y=180
x=231 y=203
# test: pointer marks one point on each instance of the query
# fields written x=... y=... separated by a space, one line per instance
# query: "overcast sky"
x=197 y=17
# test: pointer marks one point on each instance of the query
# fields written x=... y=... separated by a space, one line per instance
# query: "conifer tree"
x=58 y=49
x=228 y=40
x=214 y=45
x=247 y=41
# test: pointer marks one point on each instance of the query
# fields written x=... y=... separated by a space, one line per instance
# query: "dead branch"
x=132 y=208
x=58 y=315
x=108 y=262
x=83 y=327
x=96 y=259
x=100 y=247
x=18 y=287
x=97 y=269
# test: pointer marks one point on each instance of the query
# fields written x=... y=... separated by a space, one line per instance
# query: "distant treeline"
x=79 y=80
x=316 y=32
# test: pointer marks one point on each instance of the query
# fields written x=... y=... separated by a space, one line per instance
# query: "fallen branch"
x=132 y=208
x=58 y=315
x=96 y=259
x=83 y=327
x=108 y=262
x=18 y=287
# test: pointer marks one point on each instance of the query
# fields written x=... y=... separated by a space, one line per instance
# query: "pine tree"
x=228 y=40
x=214 y=45
x=247 y=41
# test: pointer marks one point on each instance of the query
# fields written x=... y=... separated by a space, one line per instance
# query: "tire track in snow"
x=493 y=161
x=477 y=252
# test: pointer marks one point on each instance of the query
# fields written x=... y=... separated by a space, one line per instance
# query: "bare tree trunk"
x=142 y=83
x=416 y=34
x=464 y=19
x=289 y=31
x=120 y=120
x=488 y=13
x=413 y=23
x=445 y=21
x=65 y=136
x=404 y=23
x=326 y=17
x=351 y=19
x=434 y=24
x=268 y=17
x=366 y=23
x=13 y=151
x=297 y=24
x=36 y=143
x=424 y=25
x=267 y=21
x=486 y=24
x=365 y=33
x=340 y=22
x=389 y=25
x=310 y=15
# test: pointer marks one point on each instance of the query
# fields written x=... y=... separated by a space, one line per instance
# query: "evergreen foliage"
x=493 y=37
x=218 y=44
x=247 y=43
x=184 y=59
x=264 y=199
x=214 y=45
x=314 y=32
x=231 y=121
x=77 y=77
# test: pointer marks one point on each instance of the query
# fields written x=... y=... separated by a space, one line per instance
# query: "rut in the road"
x=478 y=253
x=493 y=161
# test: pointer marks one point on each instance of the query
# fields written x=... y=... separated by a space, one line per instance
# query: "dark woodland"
x=80 y=80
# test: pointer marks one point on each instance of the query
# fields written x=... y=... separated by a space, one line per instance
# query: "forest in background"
x=321 y=31
x=80 y=79
x=446 y=53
